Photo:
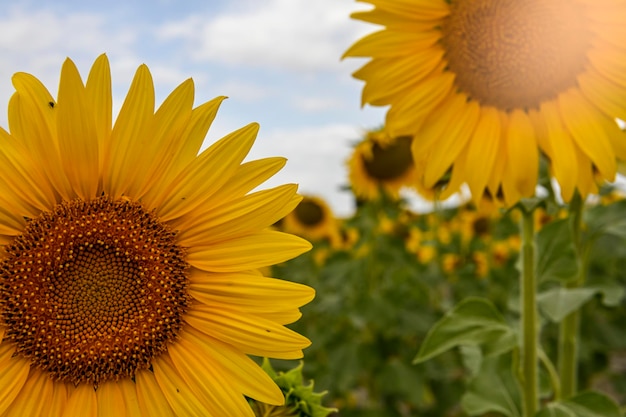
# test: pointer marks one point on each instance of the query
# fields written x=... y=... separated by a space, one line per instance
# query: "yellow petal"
x=252 y=293
x=248 y=214
x=128 y=137
x=409 y=112
x=110 y=400
x=421 y=9
x=32 y=119
x=447 y=138
x=181 y=398
x=13 y=376
x=206 y=174
x=152 y=401
x=82 y=402
x=193 y=136
x=388 y=43
x=248 y=252
x=37 y=386
x=99 y=97
x=521 y=153
x=561 y=152
x=165 y=136
x=76 y=132
x=581 y=119
x=247 y=177
x=247 y=332
x=242 y=374
x=482 y=150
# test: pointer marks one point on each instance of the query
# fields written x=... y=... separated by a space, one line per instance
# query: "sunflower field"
x=387 y=276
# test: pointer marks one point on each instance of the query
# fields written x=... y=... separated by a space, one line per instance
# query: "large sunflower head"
x=129 y=280
x=381 y=163
x=485 y=85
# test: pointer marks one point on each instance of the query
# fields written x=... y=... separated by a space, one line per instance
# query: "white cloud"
x=316 y=104
x=295 y=35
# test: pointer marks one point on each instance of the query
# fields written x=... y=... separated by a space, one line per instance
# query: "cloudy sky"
x=278 y=61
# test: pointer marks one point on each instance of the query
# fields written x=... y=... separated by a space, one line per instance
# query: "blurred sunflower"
x=483 y=85
x=313 y=219
x=129 y=282
x=381 y=163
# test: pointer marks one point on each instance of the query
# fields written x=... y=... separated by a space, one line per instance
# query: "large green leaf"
x=556 y=256
x=586 y=404
x=557 y=303
x=474 y=321
x=608 y=219
x=494 y=389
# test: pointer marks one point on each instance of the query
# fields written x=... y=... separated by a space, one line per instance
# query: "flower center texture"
x=391 y=161
x=92 y=291
x=515 y=54
x=309 y=213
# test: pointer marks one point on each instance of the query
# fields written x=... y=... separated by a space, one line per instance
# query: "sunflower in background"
x=381 y=163
x=129 y=265
x=484 y=85
x=313 y=219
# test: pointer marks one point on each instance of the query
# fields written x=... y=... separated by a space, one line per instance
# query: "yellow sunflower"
x=381 y=162
x=129 y=282
x=483 y=85
x=313 y=219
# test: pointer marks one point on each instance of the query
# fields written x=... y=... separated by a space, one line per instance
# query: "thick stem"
x=568 y=331
x=528 y=286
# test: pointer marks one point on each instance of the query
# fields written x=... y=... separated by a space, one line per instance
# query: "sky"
x=278 y=61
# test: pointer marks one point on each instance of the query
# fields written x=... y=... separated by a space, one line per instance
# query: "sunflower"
x=129 y=282
x=484 y=86
x=313 y=219
x=381 y=163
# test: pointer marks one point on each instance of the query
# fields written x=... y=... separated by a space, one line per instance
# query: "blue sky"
x=278 y=61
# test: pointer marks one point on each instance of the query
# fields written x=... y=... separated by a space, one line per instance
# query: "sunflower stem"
x=568 y=330
x=528 y=287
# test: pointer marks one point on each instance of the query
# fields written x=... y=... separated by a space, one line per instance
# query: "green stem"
x=529 y=346
x=569 y=328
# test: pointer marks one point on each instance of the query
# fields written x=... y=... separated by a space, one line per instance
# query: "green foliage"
x=586 y=404
x=383 y=298
x=474 y=321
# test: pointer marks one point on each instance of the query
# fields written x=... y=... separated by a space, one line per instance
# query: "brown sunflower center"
x=309 y=213
x=390 y=161
x=515 y=53
x=92 y=291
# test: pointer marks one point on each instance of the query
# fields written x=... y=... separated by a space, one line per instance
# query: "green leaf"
x=474 y=321
x=494 y=389
x=556 y=256
x=586 y=404
x=557 y=303
x=608 y=219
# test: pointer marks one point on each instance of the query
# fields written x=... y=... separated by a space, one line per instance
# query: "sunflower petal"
x=206 y=174
x=561 y=150
x=13 y=376
x=76 y=132
x=521 y=153
x=248 y=333
x=248 y=252
x=244 y=373
x=82 y=402
x=150 y=397
x=581 y=121
x=248 y=292
x=252 y=212
x=110 y=400
x=99 y=96
x=182 y=400
x=128 y=139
